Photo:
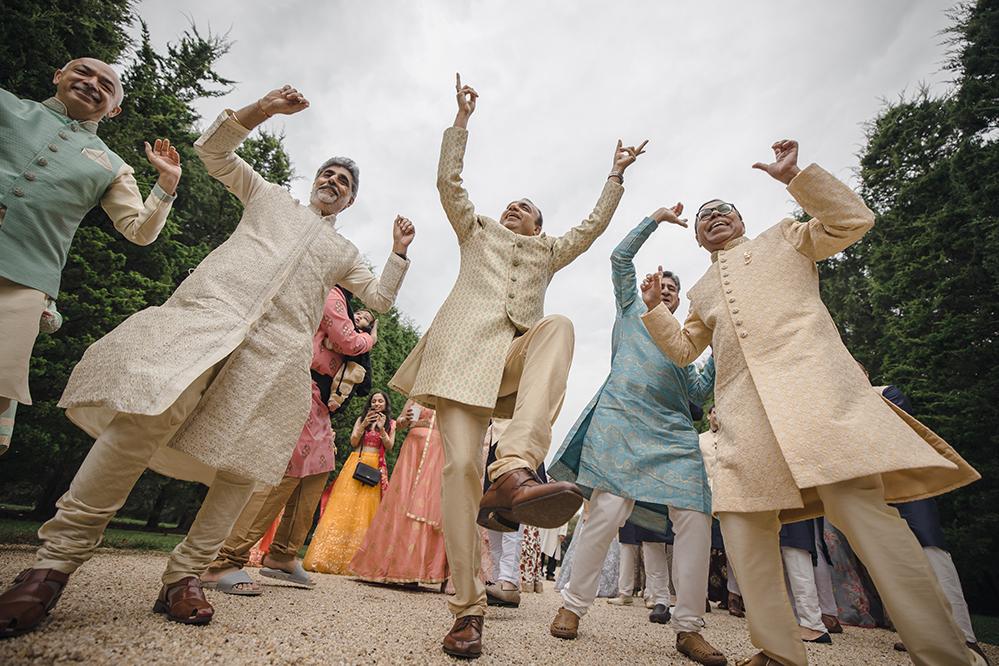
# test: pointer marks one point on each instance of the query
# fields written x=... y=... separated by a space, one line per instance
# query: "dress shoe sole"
x=659 y=619
x=549 y=511
x=163 y=607
x=493 y=601
x=492 y=519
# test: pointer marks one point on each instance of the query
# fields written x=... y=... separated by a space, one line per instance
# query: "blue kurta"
x=636 y=439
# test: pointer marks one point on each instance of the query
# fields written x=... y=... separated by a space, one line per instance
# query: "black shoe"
x=659 y=614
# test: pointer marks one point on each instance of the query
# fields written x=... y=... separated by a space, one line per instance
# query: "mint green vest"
x=47 y=184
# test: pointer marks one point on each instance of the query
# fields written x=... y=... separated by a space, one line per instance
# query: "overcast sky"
x=711 y=85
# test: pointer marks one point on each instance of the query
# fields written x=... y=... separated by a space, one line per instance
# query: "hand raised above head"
x=785 y=165
x=625 y=156
x=166 y=160
x=285 y=100
x=652 y=289
x=671 y=215
x=466 y=96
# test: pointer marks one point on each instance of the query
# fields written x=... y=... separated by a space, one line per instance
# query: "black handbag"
x=367 y=474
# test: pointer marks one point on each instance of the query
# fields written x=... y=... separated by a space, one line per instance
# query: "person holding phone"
x=353 y=502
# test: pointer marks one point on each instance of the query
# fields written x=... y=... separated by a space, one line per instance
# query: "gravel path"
x=105 y=617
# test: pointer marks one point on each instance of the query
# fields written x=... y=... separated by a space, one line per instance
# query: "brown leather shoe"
x=519 y=497
x=758 y=659
x=694 y=646
x=565 y=625
x=832 y=624
x=465 y=638
x=29 y=599
x=184 y=602
x=735 y=605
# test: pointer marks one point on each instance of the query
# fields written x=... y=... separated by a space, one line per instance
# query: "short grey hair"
x=348 y=164
x=674 y=277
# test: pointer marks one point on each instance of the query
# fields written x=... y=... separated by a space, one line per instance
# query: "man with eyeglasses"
x=803 y=435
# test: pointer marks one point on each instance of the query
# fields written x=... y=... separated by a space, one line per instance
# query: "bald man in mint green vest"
x=53 y=170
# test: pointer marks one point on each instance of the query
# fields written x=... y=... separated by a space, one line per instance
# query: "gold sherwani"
x=499 y=293
x=798 y=411
x=254 y=303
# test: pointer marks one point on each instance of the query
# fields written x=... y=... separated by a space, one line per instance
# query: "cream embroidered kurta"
x=499 y=293
x=254 y=302
x=798 y=411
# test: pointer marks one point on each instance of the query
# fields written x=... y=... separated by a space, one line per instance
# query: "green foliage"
x=916 y=300
x=26 y=532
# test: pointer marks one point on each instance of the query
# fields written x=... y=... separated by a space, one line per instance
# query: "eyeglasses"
x=723 y=209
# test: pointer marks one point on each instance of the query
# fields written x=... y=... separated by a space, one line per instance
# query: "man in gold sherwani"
x=802 y=437
x=213 y=385
x=491 y=351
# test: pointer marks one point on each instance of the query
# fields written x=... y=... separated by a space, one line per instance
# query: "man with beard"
x=213 y=385
x=53 y=170
x=804 y=435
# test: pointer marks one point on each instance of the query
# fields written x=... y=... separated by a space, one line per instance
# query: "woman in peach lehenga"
x=352 y=505
x=405 y=542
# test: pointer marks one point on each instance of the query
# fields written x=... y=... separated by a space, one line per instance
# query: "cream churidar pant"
x=537 y=368
x=101 y=486
x=885 y=544
x=691 y=557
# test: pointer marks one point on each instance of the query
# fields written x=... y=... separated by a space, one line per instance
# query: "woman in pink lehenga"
x=405 y=542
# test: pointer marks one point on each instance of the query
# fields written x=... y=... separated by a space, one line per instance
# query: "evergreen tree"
x=917 y=298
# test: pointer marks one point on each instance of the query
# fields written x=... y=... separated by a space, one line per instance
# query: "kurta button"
x=75 y=127
x=43 y=161
x=54 y=148
x=63 y=136
x=516 y=262
x=510 y=295
x=727 y=281
x=743 y=334
x=738 y=322
x=520 y=243
x=18 y=192
x=729 y=290
x=513 y=278
x=28 y=175
x=735 y=310
x=724 y=274
x=731 y=300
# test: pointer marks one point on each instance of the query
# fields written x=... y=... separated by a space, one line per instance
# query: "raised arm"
x=454 y=198
x=681 y=345
x=839 y=217
x=218 y=144
x=581 y=237
x=623 y=257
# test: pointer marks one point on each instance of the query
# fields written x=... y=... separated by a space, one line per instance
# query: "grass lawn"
x=25 y=532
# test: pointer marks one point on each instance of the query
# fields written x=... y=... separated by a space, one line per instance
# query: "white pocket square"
x=98 y=156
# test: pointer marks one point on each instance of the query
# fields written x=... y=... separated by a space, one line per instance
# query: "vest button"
x=18 y=192
x=54 y=148
x=63 y=136
x=43 y=161
x=29 y=175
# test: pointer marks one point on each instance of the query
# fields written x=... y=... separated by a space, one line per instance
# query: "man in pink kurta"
x=311 y=462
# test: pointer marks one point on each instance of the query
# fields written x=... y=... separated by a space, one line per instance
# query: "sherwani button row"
x=43 y=161
x=63 y=136
x=54 y=148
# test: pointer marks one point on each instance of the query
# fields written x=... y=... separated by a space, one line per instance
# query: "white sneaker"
x=620 y=601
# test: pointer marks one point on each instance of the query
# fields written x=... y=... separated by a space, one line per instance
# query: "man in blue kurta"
x=636 y=454
x=53 y=170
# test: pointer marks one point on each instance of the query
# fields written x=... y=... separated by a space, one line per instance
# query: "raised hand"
x=285 y=100
x=652 y=289
x=466 y=102
x=166 y=160
x=785 y=165
x=671 y=215
x=403 y=233
x=625 y=156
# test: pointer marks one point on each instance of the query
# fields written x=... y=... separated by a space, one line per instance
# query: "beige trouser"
x=103 y=482
x=537 y=367
x=299 y=498
x=884 y=543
